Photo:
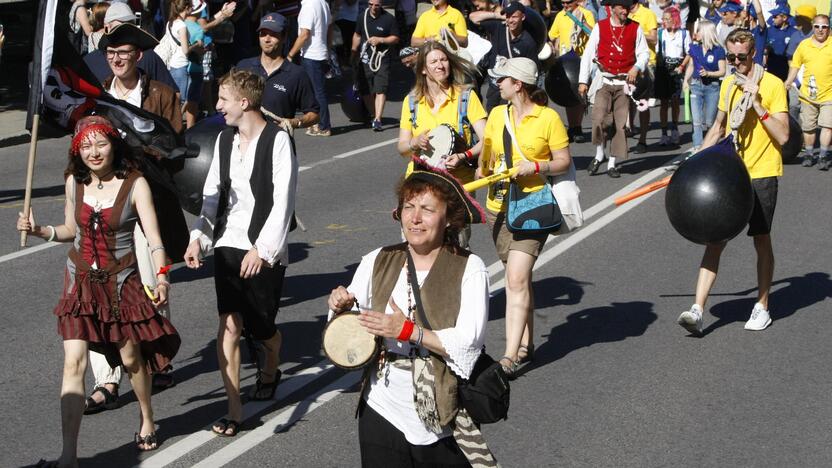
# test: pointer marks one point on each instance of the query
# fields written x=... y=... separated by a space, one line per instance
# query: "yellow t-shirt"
x=818 y=62
x=538 y=134
x=562 y=29
x=648 y=22
x=431 y=21
x=448 y=113
x=761 y=154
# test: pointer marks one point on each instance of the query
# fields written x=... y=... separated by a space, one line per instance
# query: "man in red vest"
x=618 y=49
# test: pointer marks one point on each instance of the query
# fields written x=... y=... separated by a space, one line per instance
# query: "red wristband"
x=764 y=117
x=469 y=154
x=163 y=270
x=407 y=330
x=536 y=167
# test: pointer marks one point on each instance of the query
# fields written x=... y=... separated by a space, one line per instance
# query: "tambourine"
x=444 y=141
x=347 y=344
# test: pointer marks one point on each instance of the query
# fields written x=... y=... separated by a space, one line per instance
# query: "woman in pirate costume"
x=103 y=305
x=408 y=411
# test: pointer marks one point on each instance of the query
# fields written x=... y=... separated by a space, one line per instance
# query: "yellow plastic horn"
x=486 y=181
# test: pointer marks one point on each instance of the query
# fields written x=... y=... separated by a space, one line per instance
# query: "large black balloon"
x=792 y=147
x=353 y=106
x=709 y=199
x=562 y=80
x=189 y=178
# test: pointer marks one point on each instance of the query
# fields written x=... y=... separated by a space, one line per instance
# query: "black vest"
x=262 y=186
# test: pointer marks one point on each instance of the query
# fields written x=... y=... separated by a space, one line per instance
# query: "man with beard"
x=288 y=89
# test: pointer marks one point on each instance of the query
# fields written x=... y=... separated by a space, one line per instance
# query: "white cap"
x=520 y=68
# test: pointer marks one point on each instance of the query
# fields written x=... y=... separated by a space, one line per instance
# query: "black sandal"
x=528 y=350
x=511 y=369
x=225 y=424
x=268 y=387
x=147 y=441
x=110 y=401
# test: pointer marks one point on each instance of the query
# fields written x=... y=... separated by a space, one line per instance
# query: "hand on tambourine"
x=454 y=160
x=420 y=142
x=340 y=300
x=381 y=324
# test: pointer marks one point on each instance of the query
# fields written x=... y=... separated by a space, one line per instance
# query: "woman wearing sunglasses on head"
x=540 y=135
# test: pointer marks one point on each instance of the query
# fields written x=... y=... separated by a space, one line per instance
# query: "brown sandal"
x=147 y=441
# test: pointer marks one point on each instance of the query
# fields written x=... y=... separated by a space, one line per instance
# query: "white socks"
x=599 y=153
x=611 y=162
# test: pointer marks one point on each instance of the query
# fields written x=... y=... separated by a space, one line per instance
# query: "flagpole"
x=30 y=174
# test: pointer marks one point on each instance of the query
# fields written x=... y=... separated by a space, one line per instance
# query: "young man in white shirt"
x=314 y=28
x=248 y=201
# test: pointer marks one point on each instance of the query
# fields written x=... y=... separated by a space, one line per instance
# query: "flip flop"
x=147 y=441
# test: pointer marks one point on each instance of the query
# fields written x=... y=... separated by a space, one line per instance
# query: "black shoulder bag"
x=486 y=394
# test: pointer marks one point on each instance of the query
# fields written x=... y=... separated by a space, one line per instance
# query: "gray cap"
x=119 y=11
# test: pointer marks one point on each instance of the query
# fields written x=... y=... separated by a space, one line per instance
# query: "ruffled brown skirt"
x=104 y=323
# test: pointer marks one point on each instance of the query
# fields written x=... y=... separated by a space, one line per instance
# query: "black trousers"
x=384 y=446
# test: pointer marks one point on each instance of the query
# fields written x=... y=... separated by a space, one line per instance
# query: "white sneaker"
x=691 y=320
x=760 y=318
x=664 y=141
x=674 y=137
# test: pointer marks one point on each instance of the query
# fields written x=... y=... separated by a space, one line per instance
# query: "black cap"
x=513 y=8
x=127 y=33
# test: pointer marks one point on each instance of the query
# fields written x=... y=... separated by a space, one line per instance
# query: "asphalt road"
x=615 y=382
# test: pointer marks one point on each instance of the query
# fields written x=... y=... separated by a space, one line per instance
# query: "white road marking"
x=286 y=418
x=27 y=251
x=288 y=385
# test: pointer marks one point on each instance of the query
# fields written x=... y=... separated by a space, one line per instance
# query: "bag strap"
x=462 y=110
x=411 y=104
x=414 y=285
x=510 y=129
x=172 y=36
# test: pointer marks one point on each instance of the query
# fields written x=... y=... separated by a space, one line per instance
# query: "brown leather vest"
x=440 y=294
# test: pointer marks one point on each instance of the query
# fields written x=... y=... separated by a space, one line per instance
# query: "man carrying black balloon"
x=753 y=107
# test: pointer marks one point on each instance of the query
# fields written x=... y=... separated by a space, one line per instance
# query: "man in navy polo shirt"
x=729 y=13
x=288 y=89
x=777 y=42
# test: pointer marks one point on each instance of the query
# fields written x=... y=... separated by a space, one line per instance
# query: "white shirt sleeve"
x=273 y=238
x=306 y=16
x=204 y=225
x=590 y=52
x=463 y=343
x=642 y=51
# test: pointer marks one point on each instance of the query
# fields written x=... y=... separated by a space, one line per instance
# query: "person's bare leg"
x=141 y=381
x=665 y=103
x=708 y=270
x=644 y=125
x=518 y=300
x=228 y=353
x=674 y=109
x=380 y=100
x=765 y=267
x=272 y=359
x=72 y=399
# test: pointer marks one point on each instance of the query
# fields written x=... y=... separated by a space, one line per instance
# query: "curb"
x=15 y=139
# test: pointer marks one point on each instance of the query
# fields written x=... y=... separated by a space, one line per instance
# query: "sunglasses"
x=733 y=57
x=820 y=26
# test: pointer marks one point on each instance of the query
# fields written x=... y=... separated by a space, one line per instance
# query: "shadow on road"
x=800 y=292
x=617 y=322
x=17 y=194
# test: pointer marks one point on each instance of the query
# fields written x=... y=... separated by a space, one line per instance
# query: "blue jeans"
x=315 y=70
x=703 y=106
x=183 y=81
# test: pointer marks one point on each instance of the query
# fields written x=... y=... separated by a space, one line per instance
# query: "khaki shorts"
x=505 y=240
x=812 y=116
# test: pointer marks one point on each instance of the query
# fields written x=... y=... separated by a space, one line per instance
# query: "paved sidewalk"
x=13 y=128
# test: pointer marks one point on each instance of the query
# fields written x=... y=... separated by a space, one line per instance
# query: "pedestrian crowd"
x=738 y=69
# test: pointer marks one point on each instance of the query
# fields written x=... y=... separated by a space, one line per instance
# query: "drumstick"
x=643 y=191
x=480 y=183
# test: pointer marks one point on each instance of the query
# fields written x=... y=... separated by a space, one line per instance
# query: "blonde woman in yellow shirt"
x=442 y=80
x=542 y=139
